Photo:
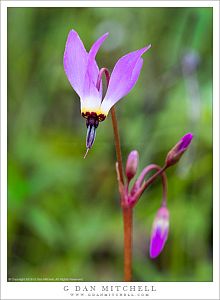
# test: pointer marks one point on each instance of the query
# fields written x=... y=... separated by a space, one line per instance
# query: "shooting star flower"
x=83 y=74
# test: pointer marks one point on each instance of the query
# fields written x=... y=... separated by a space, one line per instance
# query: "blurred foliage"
x=64 y=217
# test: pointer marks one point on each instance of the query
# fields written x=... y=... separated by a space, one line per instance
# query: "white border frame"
x=164 y=290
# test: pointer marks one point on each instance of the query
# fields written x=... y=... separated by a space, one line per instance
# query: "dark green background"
x=64 y=217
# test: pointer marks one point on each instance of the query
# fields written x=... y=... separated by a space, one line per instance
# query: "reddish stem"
x=127 y=220
x=117 y=144
x=127 y=212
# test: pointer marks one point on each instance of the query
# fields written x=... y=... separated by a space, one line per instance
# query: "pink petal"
x=95 y=47
x=92 y=69
x=123 y=78
x=91 y=99
x=75 y=61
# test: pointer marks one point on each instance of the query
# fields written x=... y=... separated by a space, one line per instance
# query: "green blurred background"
x=64 y=217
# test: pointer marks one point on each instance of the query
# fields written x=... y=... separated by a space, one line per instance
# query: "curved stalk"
x=140 y=186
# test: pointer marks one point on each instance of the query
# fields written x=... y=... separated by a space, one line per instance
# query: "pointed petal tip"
x=143 y=50
x=104 y=36
x=147 y=47
x=73 y=32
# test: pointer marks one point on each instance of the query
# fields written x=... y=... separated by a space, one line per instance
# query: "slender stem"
x=144 y=172
x=127 y=219
x=114 y=123
x=127 y=212
x=164 y=182
x=117 y=144
x=153 y=177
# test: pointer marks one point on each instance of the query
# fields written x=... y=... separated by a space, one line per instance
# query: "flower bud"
x=132 y=164
x=159 y=232
x=177 y=151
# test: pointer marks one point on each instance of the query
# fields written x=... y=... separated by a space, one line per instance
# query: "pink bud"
x=132 y=164
x=159 y=232
x=177 y=151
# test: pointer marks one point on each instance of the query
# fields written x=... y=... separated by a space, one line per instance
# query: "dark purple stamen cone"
x=92 y=123
x=90 y=137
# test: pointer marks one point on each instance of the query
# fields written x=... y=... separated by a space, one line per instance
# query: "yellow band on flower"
x=96 y=114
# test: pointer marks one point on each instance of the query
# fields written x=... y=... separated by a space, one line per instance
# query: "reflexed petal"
x=93 y=68
x=92 y=54
x=91 y=97
x=75 y=61
x=123 y=78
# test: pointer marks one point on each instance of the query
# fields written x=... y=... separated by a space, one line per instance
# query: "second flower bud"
x=132 y=164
